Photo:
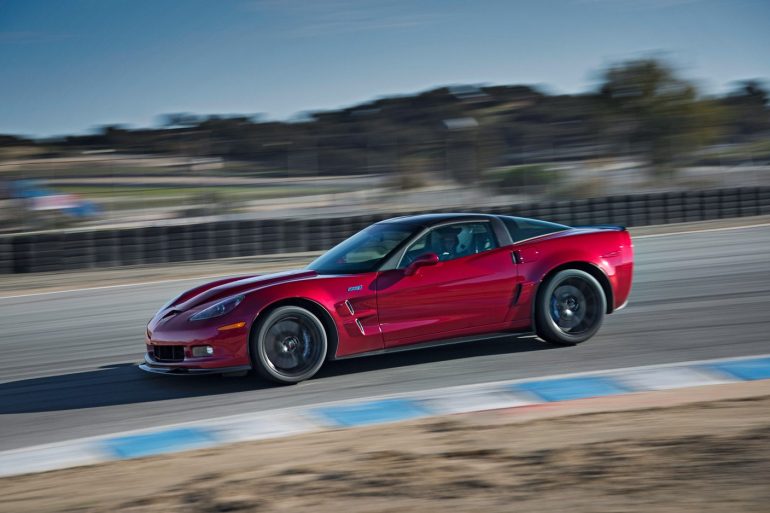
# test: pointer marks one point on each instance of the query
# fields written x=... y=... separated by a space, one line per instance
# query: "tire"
x=289 y=345
x=570 y=307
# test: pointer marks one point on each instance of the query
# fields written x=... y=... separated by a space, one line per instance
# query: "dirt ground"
x=704 y=450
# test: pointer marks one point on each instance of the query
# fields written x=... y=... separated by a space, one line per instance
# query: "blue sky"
x=67 y=66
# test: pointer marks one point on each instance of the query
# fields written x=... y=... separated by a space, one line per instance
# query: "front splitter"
x=183 y=371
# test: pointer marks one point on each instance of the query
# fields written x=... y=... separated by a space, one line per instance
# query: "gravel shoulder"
x=701 y=449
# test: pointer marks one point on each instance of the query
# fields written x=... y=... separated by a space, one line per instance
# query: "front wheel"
x=289 y=345
x=570 y=307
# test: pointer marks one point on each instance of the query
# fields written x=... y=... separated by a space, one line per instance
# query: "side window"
x=522 y=228
x=452 y=241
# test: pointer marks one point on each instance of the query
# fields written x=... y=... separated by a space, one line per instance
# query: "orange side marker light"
x=234 y=326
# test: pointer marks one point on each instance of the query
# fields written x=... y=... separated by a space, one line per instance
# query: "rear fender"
x=606 y=255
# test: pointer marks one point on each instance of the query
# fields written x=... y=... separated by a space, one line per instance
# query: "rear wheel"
x=570 y=307
x=289 y=345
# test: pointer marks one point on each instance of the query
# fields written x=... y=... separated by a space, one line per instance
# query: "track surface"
x=67 y=367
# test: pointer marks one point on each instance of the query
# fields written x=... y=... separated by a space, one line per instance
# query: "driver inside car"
x=448 y=242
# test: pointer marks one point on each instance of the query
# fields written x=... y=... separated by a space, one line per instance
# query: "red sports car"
x=403 y=283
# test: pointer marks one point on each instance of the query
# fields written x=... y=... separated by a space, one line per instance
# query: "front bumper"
x=177 y=369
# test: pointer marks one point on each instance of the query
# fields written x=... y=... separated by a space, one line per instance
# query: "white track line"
x=175 y=280
x=707 y=230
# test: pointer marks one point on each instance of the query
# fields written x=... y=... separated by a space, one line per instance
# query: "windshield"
x=364 y=251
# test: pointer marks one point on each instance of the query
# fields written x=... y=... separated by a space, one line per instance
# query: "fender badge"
x=357 y=287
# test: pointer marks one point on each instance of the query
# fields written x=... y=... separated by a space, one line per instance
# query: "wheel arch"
x=592 y=269
x=313 y=307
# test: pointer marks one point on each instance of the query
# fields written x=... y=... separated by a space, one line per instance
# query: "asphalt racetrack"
x=68 y=359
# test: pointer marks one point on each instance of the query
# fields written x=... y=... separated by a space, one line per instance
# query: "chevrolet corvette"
x=403 y=283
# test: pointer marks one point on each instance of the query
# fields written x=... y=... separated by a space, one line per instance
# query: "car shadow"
x=109 y=386
x=496 y=346
x=125 y=383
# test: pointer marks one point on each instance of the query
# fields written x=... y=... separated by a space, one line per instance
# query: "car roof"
x=426 y=220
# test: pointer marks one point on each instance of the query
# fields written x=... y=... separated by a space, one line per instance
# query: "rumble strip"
x=380 y=410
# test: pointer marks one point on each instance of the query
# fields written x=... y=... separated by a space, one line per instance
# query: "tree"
x=748 y=107
x=179 y=120
x=659 y=114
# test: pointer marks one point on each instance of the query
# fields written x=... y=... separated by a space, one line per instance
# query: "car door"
x=469 y=290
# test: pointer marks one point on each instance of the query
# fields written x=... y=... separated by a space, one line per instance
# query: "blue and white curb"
x=380 y=410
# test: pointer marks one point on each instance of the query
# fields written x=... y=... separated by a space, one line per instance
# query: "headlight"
x=217 y=309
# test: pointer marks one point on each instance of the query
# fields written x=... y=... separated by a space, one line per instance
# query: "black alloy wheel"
x=570 y=307
x=289 y=345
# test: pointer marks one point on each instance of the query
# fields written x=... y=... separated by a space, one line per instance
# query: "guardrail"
x=76 y=249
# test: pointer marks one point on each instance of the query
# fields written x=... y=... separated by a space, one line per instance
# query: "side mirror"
x=421 y=261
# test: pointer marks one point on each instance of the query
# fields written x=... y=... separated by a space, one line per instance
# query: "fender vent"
x=516 y=294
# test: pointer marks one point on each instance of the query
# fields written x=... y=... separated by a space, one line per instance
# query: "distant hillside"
x=642 y=108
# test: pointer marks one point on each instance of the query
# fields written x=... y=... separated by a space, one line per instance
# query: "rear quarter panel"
x=609 y=250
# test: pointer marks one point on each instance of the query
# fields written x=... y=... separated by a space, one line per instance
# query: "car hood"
x=231 y=287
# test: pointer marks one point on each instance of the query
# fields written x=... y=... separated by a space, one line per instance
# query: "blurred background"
x=147 y=146
x=124 y=115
